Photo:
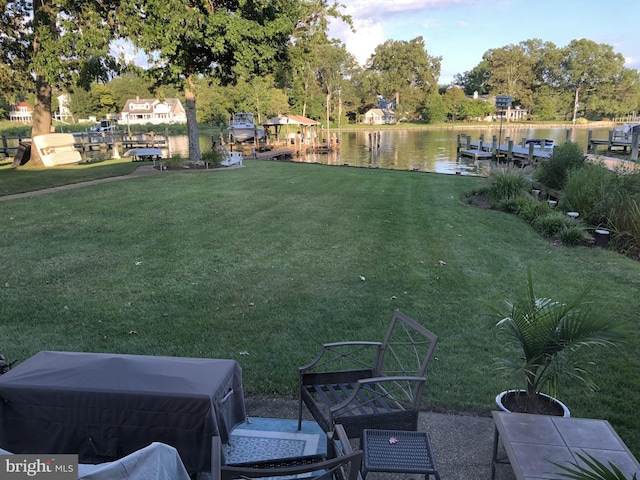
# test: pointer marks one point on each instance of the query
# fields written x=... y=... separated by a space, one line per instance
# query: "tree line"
x=275 y=56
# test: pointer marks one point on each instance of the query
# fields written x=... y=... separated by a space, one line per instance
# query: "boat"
x=242 y=128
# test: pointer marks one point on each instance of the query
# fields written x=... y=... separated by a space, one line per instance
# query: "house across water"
x=140 y=111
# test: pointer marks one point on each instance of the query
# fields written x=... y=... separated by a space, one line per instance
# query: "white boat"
x=242 y=128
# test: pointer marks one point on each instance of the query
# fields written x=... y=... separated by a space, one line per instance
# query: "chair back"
x=406 y=351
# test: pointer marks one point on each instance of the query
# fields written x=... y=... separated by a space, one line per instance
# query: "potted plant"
x=548 y=334
x=592 y=469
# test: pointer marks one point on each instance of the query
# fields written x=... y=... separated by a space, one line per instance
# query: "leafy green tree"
x=453 y=99
x=588 y=69
x=511 y=72
x=129 y=85
x=223 y=39
x=434 y=109
x=405 y=69
x=301 y=77
x=59 y=44
x=475 y=80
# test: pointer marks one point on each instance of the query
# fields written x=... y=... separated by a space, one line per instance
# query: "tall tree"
x=223 y=39
x=475 y=80
x=308 y=40
x=59 y=44
x=589 y=70
x=511 y=72
x=402 y=68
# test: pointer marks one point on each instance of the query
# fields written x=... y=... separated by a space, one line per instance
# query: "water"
x=418 y=150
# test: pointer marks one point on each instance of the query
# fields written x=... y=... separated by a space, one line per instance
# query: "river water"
x=419 y=150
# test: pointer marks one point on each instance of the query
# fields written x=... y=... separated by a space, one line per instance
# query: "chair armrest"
x=337 y=353
x=410 y=387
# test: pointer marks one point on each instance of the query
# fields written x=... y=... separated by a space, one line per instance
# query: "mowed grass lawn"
x=261 y=264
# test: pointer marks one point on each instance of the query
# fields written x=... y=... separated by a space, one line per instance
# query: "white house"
x=378 y=116
x=21 y=113
x=511 y=114
x=151 y=110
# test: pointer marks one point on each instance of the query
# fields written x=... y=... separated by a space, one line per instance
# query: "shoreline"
x=488 y=125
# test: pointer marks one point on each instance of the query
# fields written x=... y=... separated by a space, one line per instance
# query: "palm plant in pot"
x=548 y=334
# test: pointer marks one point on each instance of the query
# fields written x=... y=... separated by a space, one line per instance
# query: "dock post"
x=458 y=143
x=567 y=135
x=510 y=151
x=635 y=139
x=481 y=141
x=495 y=148
x=589 y=140
x=468 y=146
x=610 y=142
x=531 y=147
x=5 y=148
x=523 y=142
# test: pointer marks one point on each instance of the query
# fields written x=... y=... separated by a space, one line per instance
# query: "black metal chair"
x=343 y=463
x=349 y=384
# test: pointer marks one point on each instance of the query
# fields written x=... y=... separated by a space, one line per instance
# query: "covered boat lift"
x=290 y=128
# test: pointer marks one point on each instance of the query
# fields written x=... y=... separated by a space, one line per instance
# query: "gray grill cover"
x=106 y=406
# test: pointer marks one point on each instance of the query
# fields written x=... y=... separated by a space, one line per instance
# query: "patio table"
x=532 y=442
x=106 y=406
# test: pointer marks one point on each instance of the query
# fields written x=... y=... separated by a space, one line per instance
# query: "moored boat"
x=242 y=128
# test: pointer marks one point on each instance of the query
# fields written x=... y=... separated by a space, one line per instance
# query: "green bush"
x=532 y=209
x=506 y=184
x=551 y=224
x=554 y=172
x=586 y=190
x=572 y=235
x=513 y=205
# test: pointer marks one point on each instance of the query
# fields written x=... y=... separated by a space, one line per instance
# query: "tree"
x=223 y=39
x=401 y=68
x=511 y=72
x=58 y=44
x=589 y=69
x=308 y=40
x=475 y=80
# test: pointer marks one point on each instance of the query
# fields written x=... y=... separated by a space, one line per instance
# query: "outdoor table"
x=106 y=406
x=532 y=442
x=397 y=451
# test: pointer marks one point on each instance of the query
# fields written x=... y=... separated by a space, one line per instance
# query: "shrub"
x=551 y=224
x=532 y=209
x=513 y=205
x=565 y=158
x=505 y=184
x=586 y=189
x=572 y=235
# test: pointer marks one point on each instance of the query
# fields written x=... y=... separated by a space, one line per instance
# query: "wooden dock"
x=525 y=153
x=275 y=154
x=617 y=141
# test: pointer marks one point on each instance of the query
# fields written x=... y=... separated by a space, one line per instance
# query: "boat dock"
x=527 y=152
x=92 y=141
x=625 y=139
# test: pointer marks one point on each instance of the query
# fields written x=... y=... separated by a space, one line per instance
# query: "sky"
x=461 y=31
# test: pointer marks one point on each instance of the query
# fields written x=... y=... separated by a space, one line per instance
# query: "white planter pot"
x=501 y=395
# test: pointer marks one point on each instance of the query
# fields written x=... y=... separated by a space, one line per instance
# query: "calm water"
x=421 y=150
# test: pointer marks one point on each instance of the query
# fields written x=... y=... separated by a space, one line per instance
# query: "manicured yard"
x=263 y=263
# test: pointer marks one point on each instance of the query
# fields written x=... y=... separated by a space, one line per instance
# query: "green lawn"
x=263 y=263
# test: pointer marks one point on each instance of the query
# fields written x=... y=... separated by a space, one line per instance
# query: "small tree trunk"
x=192 y=122
x=575 y=105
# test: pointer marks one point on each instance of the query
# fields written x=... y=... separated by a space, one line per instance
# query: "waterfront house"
x=151 y=110
x=379 y=116
x=22 y=113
